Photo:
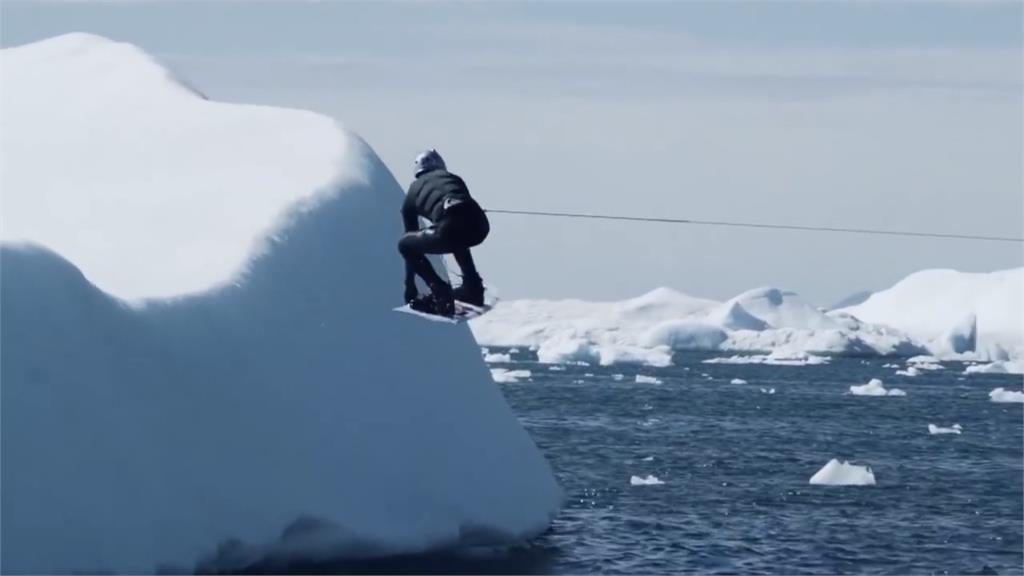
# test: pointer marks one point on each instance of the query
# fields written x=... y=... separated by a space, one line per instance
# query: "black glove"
x=410 y=293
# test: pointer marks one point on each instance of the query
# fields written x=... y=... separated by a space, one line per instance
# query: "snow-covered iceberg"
x=954 y=312
x=198 y=345
x=940 y=313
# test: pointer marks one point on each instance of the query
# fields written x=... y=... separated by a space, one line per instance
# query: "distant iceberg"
x=943 y=314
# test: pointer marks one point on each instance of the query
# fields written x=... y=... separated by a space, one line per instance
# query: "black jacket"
x=427 y=195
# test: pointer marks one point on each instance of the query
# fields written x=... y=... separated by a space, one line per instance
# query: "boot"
x=471 y=291
x=444 y=302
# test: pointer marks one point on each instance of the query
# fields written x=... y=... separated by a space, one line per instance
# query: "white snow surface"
x=875 y=388
x=1006 y=396
x=837 y=473
x=961 y=316
x=263 y=401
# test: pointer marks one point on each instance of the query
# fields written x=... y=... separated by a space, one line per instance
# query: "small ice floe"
x=737 y=381
x=890 y=365
x=837 y=473
x=768 y=390
x=588 y=375
x=513 y=351
x=776 y=358
x=556 y=368
x=507 y=376
x=647 y=459
x=650 y=480
x=1003 y=395
x=642 y=379
x=954 y=429
x=910 y=371
x=925 y=363
x=495 y=358
x=875 y=388
x=618 y=377
x=997 y=367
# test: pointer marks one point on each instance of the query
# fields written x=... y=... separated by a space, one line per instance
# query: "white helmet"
x=428 y=161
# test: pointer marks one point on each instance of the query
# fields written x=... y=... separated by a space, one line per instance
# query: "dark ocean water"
x=736 y=461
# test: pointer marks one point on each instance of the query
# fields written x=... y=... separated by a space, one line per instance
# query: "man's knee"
x=407 y=244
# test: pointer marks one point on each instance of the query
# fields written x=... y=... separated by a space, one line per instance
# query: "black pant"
x=461 y=227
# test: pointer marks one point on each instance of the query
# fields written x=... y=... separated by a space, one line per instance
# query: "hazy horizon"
x=894 y=116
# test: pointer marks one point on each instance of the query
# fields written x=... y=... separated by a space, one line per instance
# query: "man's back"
x=429 y=191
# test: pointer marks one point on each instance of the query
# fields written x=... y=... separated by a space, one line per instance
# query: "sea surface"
x=735 y=461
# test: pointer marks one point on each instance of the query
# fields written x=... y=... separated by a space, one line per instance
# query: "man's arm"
x=410 y=217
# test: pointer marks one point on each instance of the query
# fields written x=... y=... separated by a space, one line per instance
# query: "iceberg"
x=837 y=473
x=198 y=343
x=945 y=314
x=954 y=312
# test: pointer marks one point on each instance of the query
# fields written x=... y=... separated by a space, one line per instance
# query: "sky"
x=891 y=115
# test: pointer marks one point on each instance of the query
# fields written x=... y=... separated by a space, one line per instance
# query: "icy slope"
x=282 y=404
x=944 y=307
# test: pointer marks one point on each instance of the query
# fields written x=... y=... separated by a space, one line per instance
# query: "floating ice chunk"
x=910 y=371
x=776 y=358
x=556 y=368
x=837 y=473
x=513 y=351
x=618 y=377
x=768 y=390
x=642 y=379
x=1003 y=395
x=648 y=459
x=650 y=480
x=875 y=388
x=737 y=381
x=507 y=376
x=925 y=363
x=997 y=367
x=954 y=429
x=890 y=365
x=494 y=358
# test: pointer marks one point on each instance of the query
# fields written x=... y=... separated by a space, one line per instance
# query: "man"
x=458 y=223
